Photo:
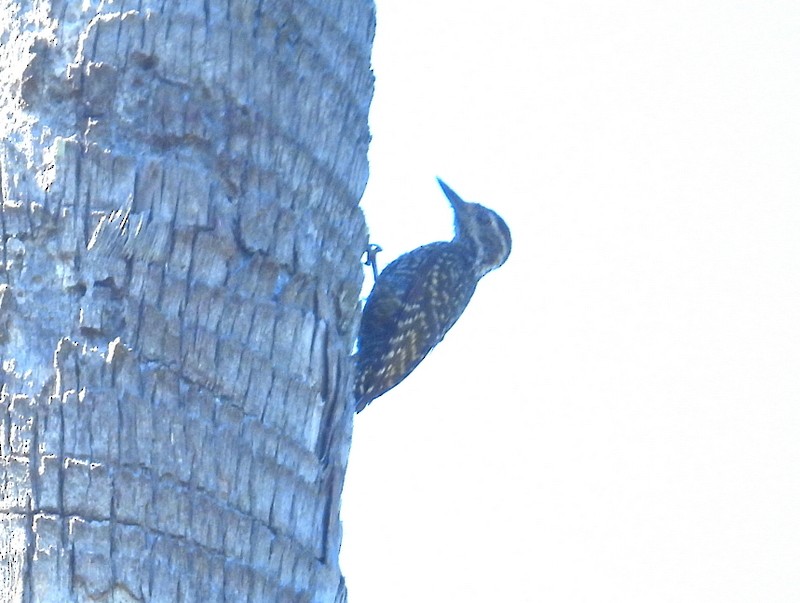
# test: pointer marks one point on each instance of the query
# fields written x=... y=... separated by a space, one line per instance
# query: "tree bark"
x=178 y=295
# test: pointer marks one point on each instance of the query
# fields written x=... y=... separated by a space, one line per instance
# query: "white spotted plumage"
x=419 y=296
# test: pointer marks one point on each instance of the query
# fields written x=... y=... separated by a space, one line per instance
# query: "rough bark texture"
x=178 y=295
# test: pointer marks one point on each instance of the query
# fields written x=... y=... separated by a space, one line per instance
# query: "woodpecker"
x=420 y=295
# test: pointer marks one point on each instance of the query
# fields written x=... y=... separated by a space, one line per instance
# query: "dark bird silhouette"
x=420 y=295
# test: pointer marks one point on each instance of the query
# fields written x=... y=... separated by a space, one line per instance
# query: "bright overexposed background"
x=616 y=416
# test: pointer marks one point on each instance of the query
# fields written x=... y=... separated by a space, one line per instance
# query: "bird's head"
x=481 y=230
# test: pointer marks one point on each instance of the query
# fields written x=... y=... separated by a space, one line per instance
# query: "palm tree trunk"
x=178 y=296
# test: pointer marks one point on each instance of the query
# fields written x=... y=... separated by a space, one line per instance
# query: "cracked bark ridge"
x=179 y=279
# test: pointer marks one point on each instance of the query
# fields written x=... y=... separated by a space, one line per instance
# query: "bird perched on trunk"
x=420 y=295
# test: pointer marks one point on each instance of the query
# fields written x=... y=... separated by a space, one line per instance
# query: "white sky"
x=616 y=416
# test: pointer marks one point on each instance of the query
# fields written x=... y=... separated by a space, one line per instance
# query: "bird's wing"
x=416 y=300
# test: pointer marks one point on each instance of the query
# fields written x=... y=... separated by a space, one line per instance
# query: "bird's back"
x=415 y=301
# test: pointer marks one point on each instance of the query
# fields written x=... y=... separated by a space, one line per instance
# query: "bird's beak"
x=456 y=201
